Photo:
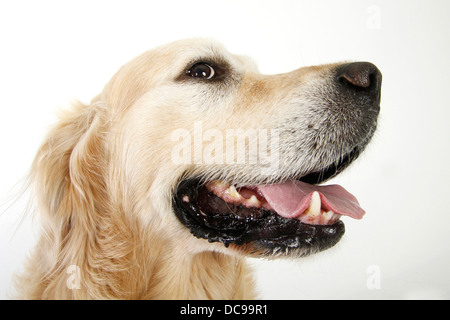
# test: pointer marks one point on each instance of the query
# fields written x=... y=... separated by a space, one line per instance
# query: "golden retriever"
x=187 y=162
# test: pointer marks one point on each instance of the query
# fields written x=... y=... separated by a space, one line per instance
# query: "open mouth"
x=295 y=216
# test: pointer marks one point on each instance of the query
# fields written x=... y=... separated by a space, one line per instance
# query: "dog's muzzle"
x=294 y=215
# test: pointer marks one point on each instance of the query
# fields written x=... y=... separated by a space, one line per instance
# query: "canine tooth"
x=233 y=192
x=315 y=204
x=185 y=198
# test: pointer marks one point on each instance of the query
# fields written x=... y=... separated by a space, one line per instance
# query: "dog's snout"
x=360 y=76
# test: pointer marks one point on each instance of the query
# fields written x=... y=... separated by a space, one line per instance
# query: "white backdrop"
x=55 y=51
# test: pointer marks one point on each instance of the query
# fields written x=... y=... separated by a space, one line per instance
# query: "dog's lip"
x=321 y=175
x=264 y=227
x=210 y=217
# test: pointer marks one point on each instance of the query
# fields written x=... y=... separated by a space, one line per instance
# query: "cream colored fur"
x=103 y=181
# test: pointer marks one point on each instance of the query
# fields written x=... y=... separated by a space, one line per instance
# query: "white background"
x=55 y=51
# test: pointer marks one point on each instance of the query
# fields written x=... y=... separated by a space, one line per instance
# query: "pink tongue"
x=292 y=198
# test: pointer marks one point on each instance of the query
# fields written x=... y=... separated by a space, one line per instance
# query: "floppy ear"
x=67 y=171
x=84 y=235
x=67 y=178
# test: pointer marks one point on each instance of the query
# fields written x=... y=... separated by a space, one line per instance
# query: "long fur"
x=104 y=182
x=83 y=226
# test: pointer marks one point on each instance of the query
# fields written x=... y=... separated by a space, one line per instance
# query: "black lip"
x=332 y=170
x=266 y=230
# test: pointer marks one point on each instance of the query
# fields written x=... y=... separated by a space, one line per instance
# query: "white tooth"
x=233 y=192
x=315 y=204
x=326 y=216
x=253 y=201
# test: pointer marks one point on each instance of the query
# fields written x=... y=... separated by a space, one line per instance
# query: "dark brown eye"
x=201 y=70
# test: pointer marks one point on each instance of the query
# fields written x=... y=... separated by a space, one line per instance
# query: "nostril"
x=360 y=75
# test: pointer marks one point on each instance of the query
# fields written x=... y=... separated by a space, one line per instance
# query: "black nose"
x=361 y=76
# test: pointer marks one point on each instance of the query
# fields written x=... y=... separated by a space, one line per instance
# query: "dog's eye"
x=201 y=70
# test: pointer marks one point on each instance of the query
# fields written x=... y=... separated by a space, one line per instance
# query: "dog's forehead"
x=183 y=52
x=165 y=63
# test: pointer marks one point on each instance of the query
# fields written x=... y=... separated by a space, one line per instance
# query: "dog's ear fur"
x=84 y=232
x=67 y=171
x=68 y=179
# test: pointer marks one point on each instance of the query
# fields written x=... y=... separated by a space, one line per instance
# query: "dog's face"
x=207 y=148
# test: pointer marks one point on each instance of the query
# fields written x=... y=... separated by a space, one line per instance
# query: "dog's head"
x=213 y=155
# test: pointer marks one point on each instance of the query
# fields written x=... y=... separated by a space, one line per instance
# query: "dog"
x=188 y=162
